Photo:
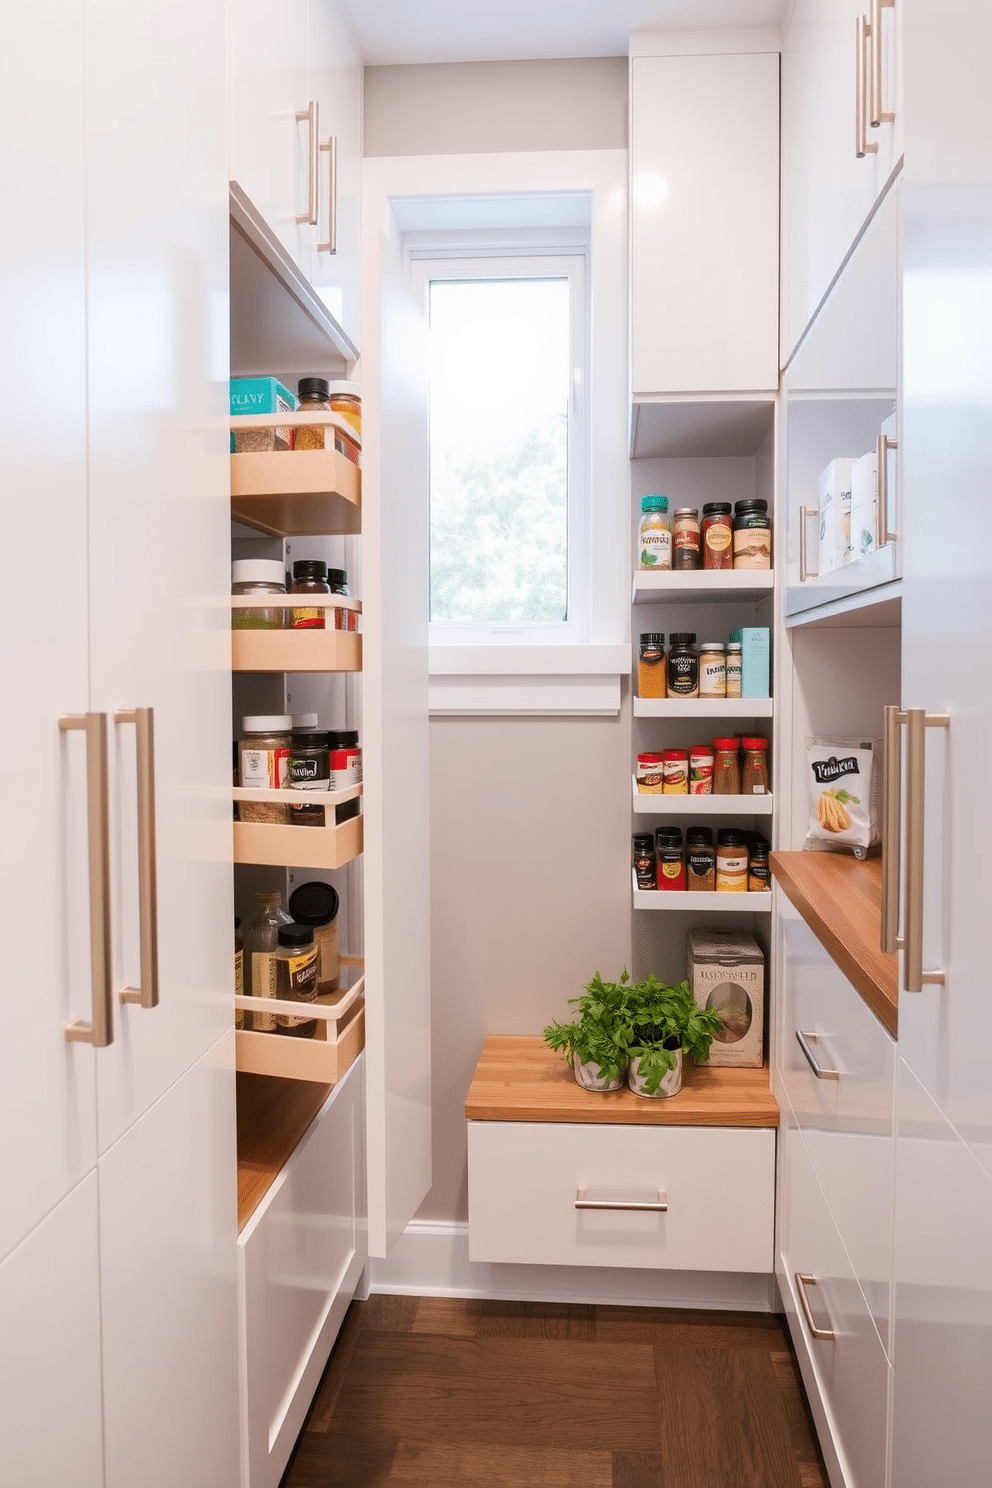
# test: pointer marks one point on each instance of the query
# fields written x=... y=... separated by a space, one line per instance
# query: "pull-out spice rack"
x=325 y=1057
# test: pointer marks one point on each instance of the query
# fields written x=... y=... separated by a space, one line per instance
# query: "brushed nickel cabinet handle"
x=917 y=723
x=147 y=994
x=861 y=145
x=876 y=114
x=331 y=146
x=891 y=808
x=313 y=161
x=822 y=1335
x=882 y=533
x=805 y=512
x=804 y=1040
x=648 y=1206
x=99 y=1032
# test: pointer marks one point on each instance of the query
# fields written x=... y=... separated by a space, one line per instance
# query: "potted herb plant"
x=595 y=1042
x=665 y=1025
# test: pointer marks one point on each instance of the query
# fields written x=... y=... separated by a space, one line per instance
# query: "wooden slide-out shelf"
x=518 y=1078
x=295 y=493
x=296 y=651
x=289 y=846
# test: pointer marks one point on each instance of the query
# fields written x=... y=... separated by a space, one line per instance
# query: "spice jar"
x=643 y=861
x=651 y=665
x=654 y=535
x=650 y=774
x=754 y=766
x=346 y=770
x=712 y=670
x=717 y=536
x=316 y=904
x=726 y=768
x=700 y=861
x=752 y=535
x=758 y=873
x=260 y=941
x=685 y=541
x=309 y=577
x=344 y=618
x=239 y=972
x=296 y=976
x=263 y=764
x=314 y=396
x=345 y=398
x=683 y=666
x=731 y=862
x=675 y=766
x=700 y=770
x=309 y=770
x=258 y=576
x=735 y=668
x=671 y=859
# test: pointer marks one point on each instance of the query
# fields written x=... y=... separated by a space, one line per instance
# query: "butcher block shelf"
x=518 y=1078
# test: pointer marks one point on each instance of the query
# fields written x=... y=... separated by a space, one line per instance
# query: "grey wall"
x=481 y=107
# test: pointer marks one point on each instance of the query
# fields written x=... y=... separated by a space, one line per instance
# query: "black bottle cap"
x=310 y=387
x=314 y=903
x=295 y=935
x=342 y=739
x=750 y=505
x=683 y=638
x=310 y=568
x=716 y=509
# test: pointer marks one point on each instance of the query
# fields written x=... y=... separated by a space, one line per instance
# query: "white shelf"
x=646 y=804
x=666 y=901
x=701 y=584
x=672 y=707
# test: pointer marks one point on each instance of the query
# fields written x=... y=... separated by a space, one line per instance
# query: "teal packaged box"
x=260 y=395
x=756 y=669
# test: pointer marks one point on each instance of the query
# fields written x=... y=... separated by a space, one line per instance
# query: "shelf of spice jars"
x=684 y=901
x=297 y=492
x=654 y=587
x=676 y=707
x=650 y=803
x=324 y=1057
x=336 y=646
x=290 y=845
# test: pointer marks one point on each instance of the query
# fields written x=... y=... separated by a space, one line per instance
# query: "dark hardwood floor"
x=423 y=1392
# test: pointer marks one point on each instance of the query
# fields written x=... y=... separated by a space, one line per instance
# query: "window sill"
x=527 y=681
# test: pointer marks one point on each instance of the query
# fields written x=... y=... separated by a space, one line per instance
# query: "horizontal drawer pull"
x=644 y=1206
x=822 y=1335
x=804 y=1040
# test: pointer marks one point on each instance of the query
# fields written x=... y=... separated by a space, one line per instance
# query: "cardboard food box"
x=756 y=671
x=260 y=395
x=864 y=504
x=835 y=515
x=726 y=970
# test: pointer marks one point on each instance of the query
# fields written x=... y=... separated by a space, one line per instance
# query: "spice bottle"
x=731 y=861
x=263 y=756
x=758 y=873
x=700 y=861
x=651 y=666
x=296 y=976
x=735 y=668
x=643 y=860
x=716 y=531
x=754 y=766
x=726 y=768
x=344 y=618
x=654 y=535
x=346 y=770
x=675 y=766
x=314 y=396
x=683 y=666
x=700 y=770
x=258 y=576
x=671 y=859
x=239 y=972
x=309 y=770
x=650 y=773
x=309 y=577
x=752 y=535
x=260 y=939
x=685 y=541
x=316 y=904
x=712 y=670
x=346 y=399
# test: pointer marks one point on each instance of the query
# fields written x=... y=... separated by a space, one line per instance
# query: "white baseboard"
x=431 y=1260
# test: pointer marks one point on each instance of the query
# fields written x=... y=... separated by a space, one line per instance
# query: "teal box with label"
x=260 y=395
x=756 y=672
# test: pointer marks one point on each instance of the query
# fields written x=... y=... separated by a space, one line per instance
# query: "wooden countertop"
x=518 y=1078
x=841 y=901
x=273 y=1115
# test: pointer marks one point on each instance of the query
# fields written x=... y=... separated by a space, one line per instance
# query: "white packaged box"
x=835 y=514
x=864 y=504
x=726 y=970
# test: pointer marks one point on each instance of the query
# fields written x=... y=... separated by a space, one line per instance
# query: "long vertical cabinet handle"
x=309 y=114
x=144 y=720
x=822 y=1335
x=805 y=512
x=876 y=114
x=891 y=809
x=917 y=723
x=99 y=1032
x=882 y=533
x=861 y=145
x=331 y=146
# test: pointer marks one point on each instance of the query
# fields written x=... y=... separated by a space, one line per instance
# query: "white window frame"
x=549 y=254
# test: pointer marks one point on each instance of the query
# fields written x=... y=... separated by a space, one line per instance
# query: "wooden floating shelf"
x=701 y=585
x=299 y=847
x=296 y=651
x=323 y=1059
x=673 y=707
x=646 y=804
x=296 y=493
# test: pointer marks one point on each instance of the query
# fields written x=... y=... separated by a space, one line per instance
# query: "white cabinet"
x=828 y=192
x=336 y=85
x=704 y=223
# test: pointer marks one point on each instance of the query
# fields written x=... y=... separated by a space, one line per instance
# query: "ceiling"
x=409 y=31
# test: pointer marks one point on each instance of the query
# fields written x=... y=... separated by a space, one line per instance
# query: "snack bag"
x=843 y=778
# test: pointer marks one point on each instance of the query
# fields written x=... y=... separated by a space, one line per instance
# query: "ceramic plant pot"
x=589 y=1077
x=671 y=1083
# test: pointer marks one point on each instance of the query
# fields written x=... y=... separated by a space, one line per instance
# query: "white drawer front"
x=302 y=1253
x=717 y=1182
x=850 y=1373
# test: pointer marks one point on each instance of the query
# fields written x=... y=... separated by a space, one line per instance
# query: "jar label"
x=656 y=548
x=731 y=873
x=265 y=769
x=306 y=774
x=701 y=775
x=734 y=672
x=672 y=870
x=712 y=677
x=753 y=548
x=308 y=619
x=346 y=768
x=263 y=984
x=299 y=982
x=683 y=674
x=687 y=537
x=718 y=537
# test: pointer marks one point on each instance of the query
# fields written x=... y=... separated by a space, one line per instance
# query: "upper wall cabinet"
x=841 y=140
x=295 y=139
x=704 y=147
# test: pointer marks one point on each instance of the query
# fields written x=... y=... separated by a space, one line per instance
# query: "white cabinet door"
x=704 y=223
x=159 y=515
x=827 y=192
x=336 y=83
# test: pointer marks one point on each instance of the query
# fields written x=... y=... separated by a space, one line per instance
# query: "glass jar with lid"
x=758 y=872
x=296 y=976
x=314 y=394
x=258 y=576
x=309 y=770
x=717 y=536
x=700 y=860
x=643 y=860
x=654 y=535
x=346 y=399
x=685 y=540
x=260 y=944
x=651 y=665
x=731 y=861
x=726 y=768
x=735 y=668
x=683 y=665
x=309 y=577
x=712 y=670
x=263 y=764
x=344 y=618
x=671 y=859
x=754 y=766
x=752 y=534
x=316 y=904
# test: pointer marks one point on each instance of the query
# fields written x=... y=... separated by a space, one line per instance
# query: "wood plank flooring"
x=427 y=1392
